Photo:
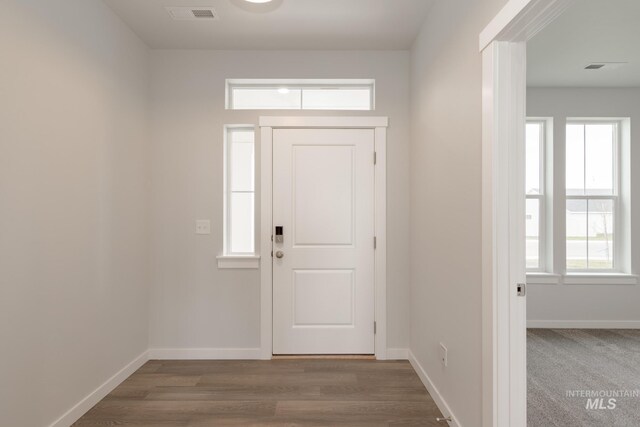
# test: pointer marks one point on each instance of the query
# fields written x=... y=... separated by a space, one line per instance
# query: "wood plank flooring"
x=296 y=392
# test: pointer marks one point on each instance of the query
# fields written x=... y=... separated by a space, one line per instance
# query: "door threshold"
x=323 y=357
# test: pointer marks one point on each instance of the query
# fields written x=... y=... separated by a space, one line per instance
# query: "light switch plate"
x=203 y=226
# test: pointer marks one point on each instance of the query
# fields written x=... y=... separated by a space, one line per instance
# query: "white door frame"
x=503 y=47
x=267 y=125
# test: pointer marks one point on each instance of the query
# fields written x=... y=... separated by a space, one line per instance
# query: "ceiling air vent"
x=192 y=13
x=605 y=65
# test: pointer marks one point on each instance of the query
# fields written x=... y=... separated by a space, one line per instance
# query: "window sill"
x=600 y=279
x=238 y=261
x=543 y=278
x=582 y=279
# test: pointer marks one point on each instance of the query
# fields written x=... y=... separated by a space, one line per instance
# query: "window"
x=274 y=94
x=592 y=177
x=535 y=192
x=239 y=198
x=591 y=192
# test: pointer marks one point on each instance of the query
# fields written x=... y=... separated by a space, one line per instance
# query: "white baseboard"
x=204 y=353
x=433 y=391
x=584 y=324
x=397 y=354
x=82 y=407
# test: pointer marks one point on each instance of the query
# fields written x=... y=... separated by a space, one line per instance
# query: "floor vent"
x=192 y=13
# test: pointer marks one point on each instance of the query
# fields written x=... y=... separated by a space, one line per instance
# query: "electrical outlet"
x=443 y=355
x=203 y=226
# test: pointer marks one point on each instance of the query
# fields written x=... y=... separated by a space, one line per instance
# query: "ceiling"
x=294 y=24
x=589 y=31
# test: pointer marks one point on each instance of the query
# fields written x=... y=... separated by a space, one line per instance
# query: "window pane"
x=242 y=135
x=301 y=94
x=336 y=99
x=239 y=191
x=577 y=235
x=266 y=99
x=599 y=158
x=533 y=141
x=600 y=221
x=533 y=233
x=242 y=223
x=242 y=166
x=575 y=159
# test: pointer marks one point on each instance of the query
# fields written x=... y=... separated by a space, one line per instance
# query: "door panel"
x=323 y=297
x=323 y=197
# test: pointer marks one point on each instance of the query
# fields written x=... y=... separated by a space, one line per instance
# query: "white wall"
x=606 y=302
x=446 y=270
x=73 y=196
x=194 y=304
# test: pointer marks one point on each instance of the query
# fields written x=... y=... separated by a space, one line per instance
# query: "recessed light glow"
x=283 y=90
x=258 y=1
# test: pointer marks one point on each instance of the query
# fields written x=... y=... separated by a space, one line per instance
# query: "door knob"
x=279 y=254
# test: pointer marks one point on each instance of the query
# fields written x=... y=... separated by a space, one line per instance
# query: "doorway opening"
x=583 y=340
x=532 y=218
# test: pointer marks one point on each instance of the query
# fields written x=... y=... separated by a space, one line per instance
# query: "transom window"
x=309 y=94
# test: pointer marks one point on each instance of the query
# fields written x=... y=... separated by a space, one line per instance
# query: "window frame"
x=616 y=261
x=543 y=198
x=300 y=84
x=228 y=192
x=625 y=271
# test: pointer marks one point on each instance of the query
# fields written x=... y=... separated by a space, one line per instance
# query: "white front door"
x=323 y=270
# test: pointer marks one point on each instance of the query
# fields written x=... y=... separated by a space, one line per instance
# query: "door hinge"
x=375 y=158
x=271 y=254
x=375 y=242
x=521 y=289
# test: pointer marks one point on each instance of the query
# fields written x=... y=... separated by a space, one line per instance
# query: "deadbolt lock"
x=279 y=234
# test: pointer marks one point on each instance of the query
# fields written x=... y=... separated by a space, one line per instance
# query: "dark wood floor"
x=268 y=393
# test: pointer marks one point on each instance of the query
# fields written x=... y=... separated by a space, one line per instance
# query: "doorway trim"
x=503 y=47
x=267 y=124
